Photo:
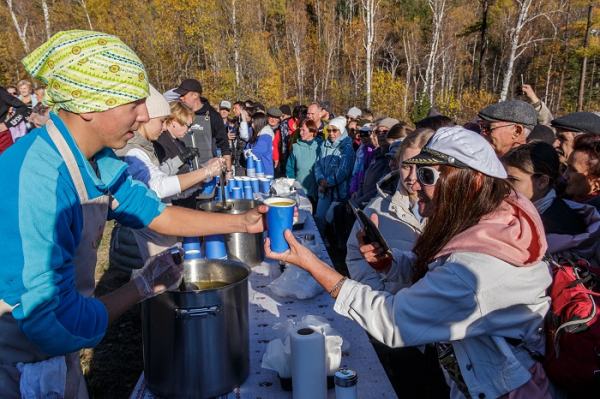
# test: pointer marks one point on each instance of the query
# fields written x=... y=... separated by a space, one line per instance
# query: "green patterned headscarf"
x=87 y=71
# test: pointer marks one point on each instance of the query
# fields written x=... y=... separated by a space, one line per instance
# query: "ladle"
x=225 y=206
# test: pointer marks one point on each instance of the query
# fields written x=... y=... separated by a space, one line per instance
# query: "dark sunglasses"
x=14 y=93
x=364 y=134
x=427 y=175
x=333 y=130
x=379 y=131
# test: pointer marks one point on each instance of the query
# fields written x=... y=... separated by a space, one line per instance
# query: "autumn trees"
x=396 y=56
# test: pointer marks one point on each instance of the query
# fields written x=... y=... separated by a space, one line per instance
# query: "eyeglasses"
x=364 y=134
x=380 y=131
x=489 y=129
x=333 y=130
x=14 y=93
x=188 y=125
x=427 y=175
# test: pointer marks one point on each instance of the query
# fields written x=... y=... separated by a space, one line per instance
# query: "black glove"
x=188 y=154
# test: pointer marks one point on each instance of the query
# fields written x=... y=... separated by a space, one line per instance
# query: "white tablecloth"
x=266 y=309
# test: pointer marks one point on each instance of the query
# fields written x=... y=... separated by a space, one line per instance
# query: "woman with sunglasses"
x=333 y=169
x=478 y=279
x=143 y=165
x=572 y=229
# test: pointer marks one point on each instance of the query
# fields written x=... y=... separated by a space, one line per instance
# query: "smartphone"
x=372 y=233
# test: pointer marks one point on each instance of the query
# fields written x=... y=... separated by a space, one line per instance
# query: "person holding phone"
x=477 y=272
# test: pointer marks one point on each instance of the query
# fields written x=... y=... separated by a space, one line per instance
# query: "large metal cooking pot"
x=241 y=247
x=196 y=343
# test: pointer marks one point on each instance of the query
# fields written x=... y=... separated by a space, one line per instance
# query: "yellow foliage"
x=387 y=94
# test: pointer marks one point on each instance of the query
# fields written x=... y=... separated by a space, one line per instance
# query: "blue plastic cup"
x=254 y=184
x=236 y=193
x=191 y=247
x=214 y=247
x=280 y=217
x=251 y=172
x=220 y=194
x=209 y=188
x=265 y=185
x=250 y=163
x=270 y=177
x=259 y=167
x=248 y=194
x=246 y=182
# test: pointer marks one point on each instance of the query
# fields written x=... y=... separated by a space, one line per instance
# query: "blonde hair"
x=415 y=140
x=180 y=113
x=27 y=83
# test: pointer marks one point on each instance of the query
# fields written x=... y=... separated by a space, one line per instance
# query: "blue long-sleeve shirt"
x=41 y=228
x=263 y=149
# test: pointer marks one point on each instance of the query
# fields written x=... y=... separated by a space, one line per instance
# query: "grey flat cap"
x=515 y=111
x=586 y=122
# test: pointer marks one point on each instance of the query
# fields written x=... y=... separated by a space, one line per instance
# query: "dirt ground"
x=114 y=366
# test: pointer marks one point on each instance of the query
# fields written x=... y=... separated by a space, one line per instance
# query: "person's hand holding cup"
x=280 y=217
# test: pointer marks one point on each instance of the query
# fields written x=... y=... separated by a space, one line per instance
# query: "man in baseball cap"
x=570 y=126
x=224 y=109
x=208 y=131
x=507 y=124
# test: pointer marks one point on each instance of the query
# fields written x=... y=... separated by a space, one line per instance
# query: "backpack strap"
x=518 y=343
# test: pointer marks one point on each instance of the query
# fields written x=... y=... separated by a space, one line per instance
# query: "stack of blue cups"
x=250 y=167
x=265 y=185
x=214 y=247
x=236 y=193
x=255 y=185
x=191 y=247
x=220 y=194
x=260 y=172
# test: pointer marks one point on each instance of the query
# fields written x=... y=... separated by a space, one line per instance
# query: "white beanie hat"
x=156 y=104
x=339 y=122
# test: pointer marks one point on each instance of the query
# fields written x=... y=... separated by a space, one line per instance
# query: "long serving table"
x=267 y=309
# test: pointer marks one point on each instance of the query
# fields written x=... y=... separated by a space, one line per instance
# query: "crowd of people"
x=470 y=211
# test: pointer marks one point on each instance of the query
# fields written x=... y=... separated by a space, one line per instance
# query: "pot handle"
x=197 y=312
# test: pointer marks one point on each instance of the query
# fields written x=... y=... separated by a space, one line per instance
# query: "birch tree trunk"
x=515 y=35
x=296 y=27
x=369 y=16
x=483 y=46
x=438 y=8
x=236 y=50
x=584 y=62
x=46 y=19
x=85 y=11
x=22 y=32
